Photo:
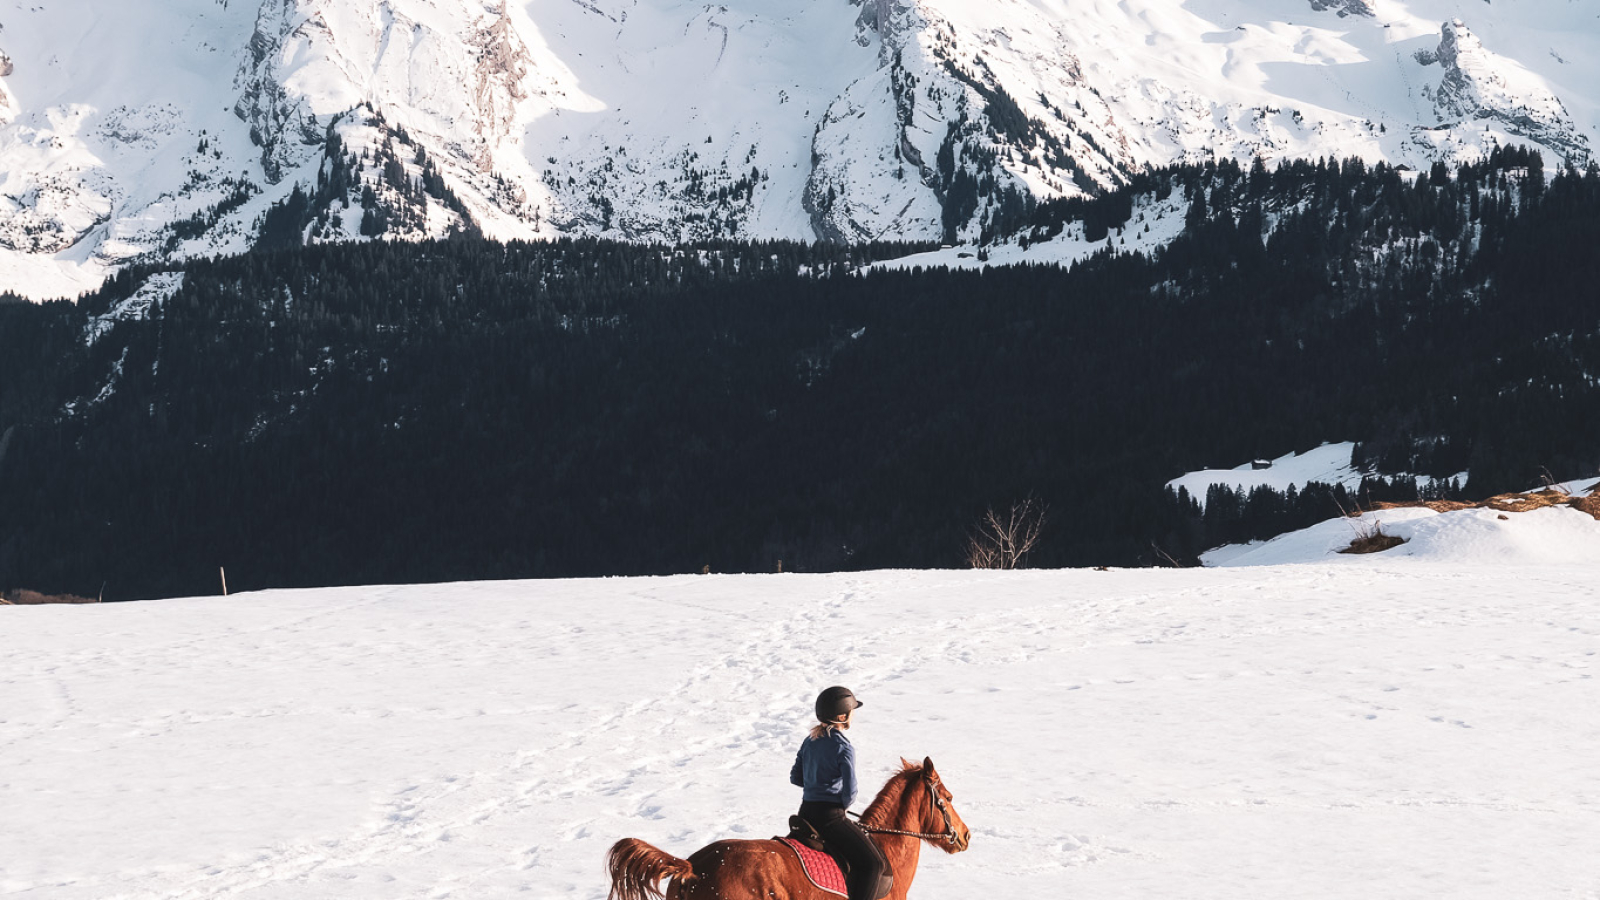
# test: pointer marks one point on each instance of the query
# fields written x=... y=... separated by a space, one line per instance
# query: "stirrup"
x=805 y=833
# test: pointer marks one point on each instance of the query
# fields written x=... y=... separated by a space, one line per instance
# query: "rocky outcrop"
x=281 y=124
x=936 y=146
x=870 y=176
x=50 y=216
x=1479 y=84
x=499 y=77
x=891 y=23
x=1344 y=7
x=8 y=106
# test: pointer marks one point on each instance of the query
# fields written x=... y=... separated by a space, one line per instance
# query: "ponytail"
x=823 y=729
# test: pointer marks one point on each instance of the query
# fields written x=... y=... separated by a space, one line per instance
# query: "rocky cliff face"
x=501 y=67
x=281 y=122
x=1344 y=7
x=451 y=70
x=1480 y=86
x=658 y=121
x=8 y=105
x=936 y=143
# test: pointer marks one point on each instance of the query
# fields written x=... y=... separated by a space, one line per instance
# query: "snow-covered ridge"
x=1552 y=535
x=1330 y=464
x=158 y=130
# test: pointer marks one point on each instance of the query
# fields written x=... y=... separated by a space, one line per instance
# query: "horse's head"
x=938 y=814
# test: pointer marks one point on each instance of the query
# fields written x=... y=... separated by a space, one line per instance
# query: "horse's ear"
x=906 y=764
x=927 y=768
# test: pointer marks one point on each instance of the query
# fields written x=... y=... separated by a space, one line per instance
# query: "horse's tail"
x=637 y=869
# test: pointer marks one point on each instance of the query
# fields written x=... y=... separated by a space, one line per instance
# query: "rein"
x=948 y=836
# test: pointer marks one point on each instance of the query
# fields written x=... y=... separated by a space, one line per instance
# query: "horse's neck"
x=902 y=853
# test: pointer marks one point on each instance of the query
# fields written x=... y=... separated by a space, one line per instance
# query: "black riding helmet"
x=834 y=703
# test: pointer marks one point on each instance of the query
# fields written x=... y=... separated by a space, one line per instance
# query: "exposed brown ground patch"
x=1509 y=503
x=34 y=598
x=1589 y=504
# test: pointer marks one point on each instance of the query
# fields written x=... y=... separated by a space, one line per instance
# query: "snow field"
x=1386 y=727
x=1328 y=464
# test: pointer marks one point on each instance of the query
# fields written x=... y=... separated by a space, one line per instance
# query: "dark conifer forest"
x=464 y=409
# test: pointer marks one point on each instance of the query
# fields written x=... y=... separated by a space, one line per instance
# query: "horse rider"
x=826 y=768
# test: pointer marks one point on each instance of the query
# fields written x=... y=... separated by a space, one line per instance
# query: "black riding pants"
x=866 y=861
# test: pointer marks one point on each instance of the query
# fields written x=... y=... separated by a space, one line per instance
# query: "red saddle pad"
x=820 y=867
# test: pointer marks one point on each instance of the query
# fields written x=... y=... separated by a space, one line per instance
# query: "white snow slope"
x=1393 y=726
x=1328 y=464
x=163 y=129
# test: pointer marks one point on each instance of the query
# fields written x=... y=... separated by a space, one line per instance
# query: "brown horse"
x=913 y=807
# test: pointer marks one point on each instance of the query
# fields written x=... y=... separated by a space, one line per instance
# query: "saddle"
x=803 y=837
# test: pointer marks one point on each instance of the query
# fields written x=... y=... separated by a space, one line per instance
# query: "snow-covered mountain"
x=161 y=129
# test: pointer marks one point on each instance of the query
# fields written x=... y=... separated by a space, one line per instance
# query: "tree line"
x=393 y=412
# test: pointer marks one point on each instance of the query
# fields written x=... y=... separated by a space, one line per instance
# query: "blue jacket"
x=826 y=768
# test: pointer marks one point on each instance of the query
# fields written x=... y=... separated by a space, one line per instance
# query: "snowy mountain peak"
x=160 y=130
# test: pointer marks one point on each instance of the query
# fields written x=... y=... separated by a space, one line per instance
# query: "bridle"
x=949 y=834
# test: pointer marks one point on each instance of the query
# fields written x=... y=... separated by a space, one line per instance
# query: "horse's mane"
x=888 y=799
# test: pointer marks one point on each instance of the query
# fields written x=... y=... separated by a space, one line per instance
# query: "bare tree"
x=1544 y=474
x=1003 y=540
